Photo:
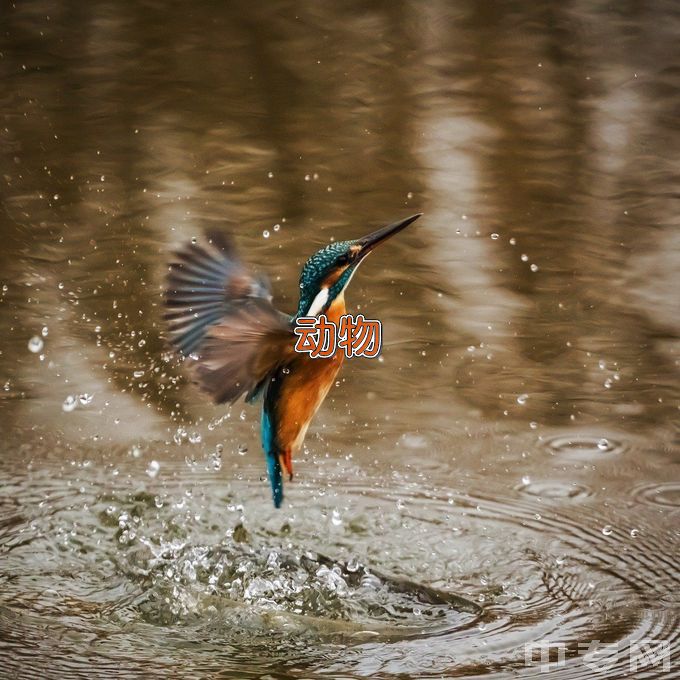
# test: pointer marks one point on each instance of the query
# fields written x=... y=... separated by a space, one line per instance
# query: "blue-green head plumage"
x=327 y=273
x=335 y=261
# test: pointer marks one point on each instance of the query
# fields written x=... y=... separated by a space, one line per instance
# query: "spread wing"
x=222 y=318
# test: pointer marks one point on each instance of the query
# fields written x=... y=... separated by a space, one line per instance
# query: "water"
x=508 y=472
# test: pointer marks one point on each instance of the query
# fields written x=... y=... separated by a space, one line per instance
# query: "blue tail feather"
x=273 y=465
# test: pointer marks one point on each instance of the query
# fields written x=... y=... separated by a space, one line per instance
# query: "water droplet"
x=533 y=424
x=265 y=233
x=522 y=399
x=277 y=227
x=135 y=451
x=335 y=518
x=154 y=467
x=602 y=364
x=242 y=415
x=409 y=195
x=216 y=460
x=45 y=331
x=307 y=178
x=285 y=370
x=608 y=383
x=194 y=438
x=69 y=403
x=85 y=399
x=242 y=450
x=634 y=532
x=138 y=374
x=607 y=530
x=513 y=241
x=526 y=480
x=270 y=174
x=494 y=237
x=400 y=504
x=35 y=344
x=534 y=267
x=603 y=444
x=524 y=257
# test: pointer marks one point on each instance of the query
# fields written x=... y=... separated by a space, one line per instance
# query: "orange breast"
x=305 y=388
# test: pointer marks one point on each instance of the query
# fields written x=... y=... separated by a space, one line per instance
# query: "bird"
x=220 y=317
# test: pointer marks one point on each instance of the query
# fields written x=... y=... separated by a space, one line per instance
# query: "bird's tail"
x=275 y=478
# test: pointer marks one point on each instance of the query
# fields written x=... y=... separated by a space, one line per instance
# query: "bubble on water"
x=353 y=565
x=69 y=404
x=607 y=530
x=35 y=344
x=522 y=399
x=265 y=233
x=285 y=370
x=494 y=236
x=242 y=450
x=85 y=399
x=603 y=444
x=277 y=227
x=524 y=257
x=534 y=267
x=153 y=468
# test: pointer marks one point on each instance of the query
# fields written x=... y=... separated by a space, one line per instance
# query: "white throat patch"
x=318 y=303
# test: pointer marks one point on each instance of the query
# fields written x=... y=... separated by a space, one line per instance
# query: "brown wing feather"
x=221 y=317
x=239 y=352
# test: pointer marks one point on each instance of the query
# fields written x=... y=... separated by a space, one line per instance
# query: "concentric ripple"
x=584 y=446
x=665 y=495
x=364 y=581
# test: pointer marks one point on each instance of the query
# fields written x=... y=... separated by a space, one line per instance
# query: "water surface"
x=506 y=473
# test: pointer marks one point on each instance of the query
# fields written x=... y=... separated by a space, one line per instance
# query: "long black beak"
x=368 y=243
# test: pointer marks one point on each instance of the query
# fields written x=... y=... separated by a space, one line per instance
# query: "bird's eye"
x=343 y=259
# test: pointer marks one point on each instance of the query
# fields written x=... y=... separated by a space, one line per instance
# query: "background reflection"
x=538 y=140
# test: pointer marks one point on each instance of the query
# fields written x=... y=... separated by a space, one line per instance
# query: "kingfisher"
x=220 y=317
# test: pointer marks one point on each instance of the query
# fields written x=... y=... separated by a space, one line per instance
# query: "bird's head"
x=327 y=273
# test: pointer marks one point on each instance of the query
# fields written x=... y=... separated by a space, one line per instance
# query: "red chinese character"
x=308 y=335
